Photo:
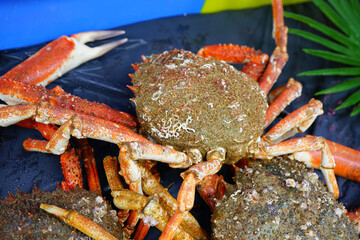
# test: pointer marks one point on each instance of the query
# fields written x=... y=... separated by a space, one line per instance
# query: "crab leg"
x=151 y=186
x=129 y=200
x=14 y=92
x=291 y=91
x=78 y=221
x=212 y=187
x=61 y=56
x=308 y=143
x=296 y=122
x=347 y=160
x=69 y=160
x=355 y=216
x=85 y=152
x=186 y=194
x=85 y=126
x=112 y=170
x=280 y=56
x=255 y=60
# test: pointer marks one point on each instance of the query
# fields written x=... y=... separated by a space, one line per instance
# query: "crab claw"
x=63 y=55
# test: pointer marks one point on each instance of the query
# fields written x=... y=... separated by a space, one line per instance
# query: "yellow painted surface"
x=211 y=6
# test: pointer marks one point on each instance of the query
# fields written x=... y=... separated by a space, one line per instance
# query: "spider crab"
x=216 y=142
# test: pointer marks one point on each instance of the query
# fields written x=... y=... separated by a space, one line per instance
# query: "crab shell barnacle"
x=188 y=101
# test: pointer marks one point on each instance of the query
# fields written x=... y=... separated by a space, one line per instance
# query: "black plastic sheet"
x=105 y=79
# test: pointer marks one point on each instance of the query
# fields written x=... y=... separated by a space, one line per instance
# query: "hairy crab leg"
x=78 y=221
x=69 y=160
x=291 y=91
x=347 y=160
x=255 y=60
x=61 y=56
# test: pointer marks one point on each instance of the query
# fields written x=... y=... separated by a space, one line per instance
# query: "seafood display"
x=279 y=198
x=194 y=111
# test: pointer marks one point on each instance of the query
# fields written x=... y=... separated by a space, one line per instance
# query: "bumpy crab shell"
x=22 y=218
x=280 y=199
x=188 y=101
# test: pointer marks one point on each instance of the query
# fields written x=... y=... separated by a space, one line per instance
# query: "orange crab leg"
x=282 y=100
x=126 y=199
x=186 y=194
x=212 y=187
x=255 y=60
x=69 y=160
x=355 y=216
x=295 y=122
x=112 y=169
x=71 y=169
x=78 y=221
x=279 y=57
x=85 y=152
x=347 y=160
x=14 y=92
x=151 y=186
x=130 y=200
x=85 y=126
x=61 y=56
x=141 y=231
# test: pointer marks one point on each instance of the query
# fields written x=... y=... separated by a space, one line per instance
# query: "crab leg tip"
x=108 y=47
x=91 y=36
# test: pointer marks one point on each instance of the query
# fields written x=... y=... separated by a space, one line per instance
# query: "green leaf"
x=349 y=84
x=353 y=99
x=334 y=57
x=350 y=71
x=355 y=111
x=333 y=16
x=325 y=42
x=345 y=10
x=334 y=34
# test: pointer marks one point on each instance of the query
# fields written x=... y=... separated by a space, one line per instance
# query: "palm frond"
x=343 y=44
